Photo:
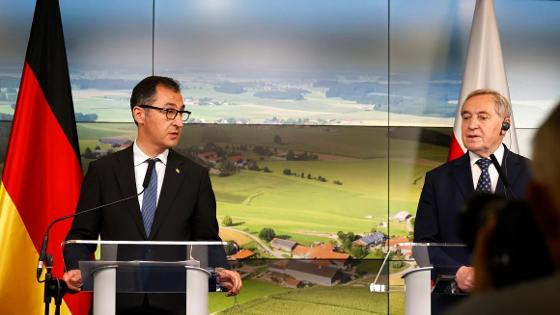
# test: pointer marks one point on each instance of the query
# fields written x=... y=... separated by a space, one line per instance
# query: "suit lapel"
x=463 y=176
x=124 y=171
x=174 y=175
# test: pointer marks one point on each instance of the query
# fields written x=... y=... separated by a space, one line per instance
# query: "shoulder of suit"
x=447 y=166
x=518 y=157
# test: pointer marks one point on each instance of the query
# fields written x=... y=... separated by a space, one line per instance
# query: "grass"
x=230 y=235
x=323 y=300
x=372 y=187
x=300 y=207
x=252 y=289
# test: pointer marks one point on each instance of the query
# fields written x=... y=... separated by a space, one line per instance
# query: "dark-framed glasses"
x=170 y=113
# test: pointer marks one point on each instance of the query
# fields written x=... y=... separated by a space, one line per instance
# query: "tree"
x=87 y=153
x=277 y=139
x=227 y=221
x=347 y=244
x=227 y=168
x=291 y=156
x=252 y=165
x=287 y=171
x=267 y=234
x=340 y=235
x=358 y=251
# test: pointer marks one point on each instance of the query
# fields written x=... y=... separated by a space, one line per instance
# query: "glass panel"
x=529 y=32
x=286 y=62
x=15 y=24
x=109 y=48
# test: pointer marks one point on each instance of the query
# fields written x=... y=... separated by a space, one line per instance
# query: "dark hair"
x=144 y=91
x=516 y=248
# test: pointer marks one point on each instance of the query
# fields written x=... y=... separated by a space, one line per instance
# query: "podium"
x=430 y=272
x=148 y=267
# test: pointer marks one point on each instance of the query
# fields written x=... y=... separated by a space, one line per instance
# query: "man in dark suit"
x=486 y=117
x=178 y=204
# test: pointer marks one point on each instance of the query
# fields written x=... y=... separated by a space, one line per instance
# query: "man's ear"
x=506 y=125
x=139 y=115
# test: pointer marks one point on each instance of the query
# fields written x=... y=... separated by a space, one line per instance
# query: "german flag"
x=42 y=172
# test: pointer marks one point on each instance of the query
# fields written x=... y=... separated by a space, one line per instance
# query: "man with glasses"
x=178 y=203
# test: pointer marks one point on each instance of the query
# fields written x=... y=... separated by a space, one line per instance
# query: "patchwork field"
x=370 y=187
x=323 y=300
x=306 y=210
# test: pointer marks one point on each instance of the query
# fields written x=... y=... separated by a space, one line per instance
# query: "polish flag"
x=484 y=69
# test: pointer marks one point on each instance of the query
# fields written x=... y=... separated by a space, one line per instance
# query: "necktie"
x=149 y=200
x=484 y=182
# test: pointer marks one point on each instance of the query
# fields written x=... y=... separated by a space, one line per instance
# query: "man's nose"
x=178 y=120
x=473 y=123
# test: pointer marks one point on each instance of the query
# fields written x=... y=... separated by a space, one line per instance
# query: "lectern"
x=425 y=276
x=148 y=267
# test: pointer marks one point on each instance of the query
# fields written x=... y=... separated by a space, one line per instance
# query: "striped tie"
x=484 y=182
x=149 y=201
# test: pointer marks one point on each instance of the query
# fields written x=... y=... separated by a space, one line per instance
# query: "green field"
x=374 y=186
x=308 y=210
x=252 y=289
x=337 y=300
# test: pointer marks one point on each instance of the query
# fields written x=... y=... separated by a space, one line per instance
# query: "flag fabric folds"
x=484 y=68
x=42 y=171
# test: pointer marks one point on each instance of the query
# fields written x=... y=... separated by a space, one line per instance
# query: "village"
x=282 y=261
x=323 y=264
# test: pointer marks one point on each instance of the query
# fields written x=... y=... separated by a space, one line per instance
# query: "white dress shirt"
x=476 y=171
x=141 y=166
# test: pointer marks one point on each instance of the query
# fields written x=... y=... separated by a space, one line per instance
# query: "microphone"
x=502 y=175
x=43 y=255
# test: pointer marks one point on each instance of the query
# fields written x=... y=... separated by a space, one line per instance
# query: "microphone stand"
x=55 y=288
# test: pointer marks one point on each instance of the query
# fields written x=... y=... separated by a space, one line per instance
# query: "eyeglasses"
x=170 y=113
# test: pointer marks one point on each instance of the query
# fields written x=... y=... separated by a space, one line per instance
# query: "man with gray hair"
x=486 y=117
x=543 y=193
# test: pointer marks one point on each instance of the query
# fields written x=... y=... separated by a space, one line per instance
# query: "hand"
x=465 y=278
x=73 y=279
x=231 y=280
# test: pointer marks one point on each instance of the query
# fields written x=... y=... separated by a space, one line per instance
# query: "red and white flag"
x=484 y=69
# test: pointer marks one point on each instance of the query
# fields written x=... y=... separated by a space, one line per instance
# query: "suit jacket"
x=186 y=211
x=446 y=190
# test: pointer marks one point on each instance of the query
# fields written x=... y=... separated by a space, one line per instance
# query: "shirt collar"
x=141 y=157
x=499 y=154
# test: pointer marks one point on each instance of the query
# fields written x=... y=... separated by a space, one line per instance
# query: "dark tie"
x=484 y=182
x=149 y=201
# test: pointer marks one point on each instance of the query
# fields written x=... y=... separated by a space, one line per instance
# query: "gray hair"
x=501 y=103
